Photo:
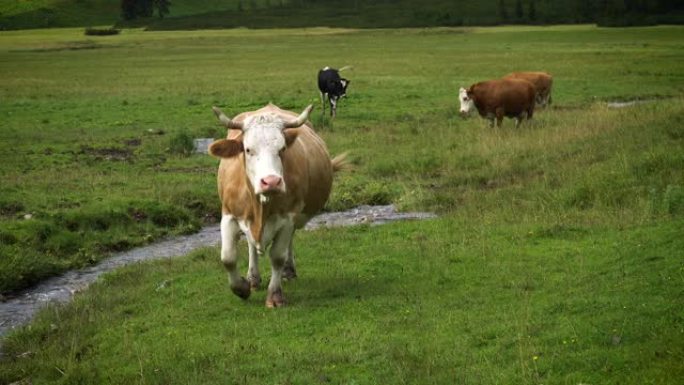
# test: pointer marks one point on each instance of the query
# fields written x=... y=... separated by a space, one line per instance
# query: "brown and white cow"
x=275 y=174
x=541 y=81
x=495 y=99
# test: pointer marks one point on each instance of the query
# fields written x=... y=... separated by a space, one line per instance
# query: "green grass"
x=83 y=118
x=455 y=300
x=560 y=240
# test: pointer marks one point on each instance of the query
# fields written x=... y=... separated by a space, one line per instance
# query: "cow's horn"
x=301 y=119
x=226 y=120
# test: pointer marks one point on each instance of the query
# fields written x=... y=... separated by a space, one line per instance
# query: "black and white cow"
x=332 y=86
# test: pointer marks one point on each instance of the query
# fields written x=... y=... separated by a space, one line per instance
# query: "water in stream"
x=20 y=308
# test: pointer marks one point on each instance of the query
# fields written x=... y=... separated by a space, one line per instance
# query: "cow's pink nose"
x=271 y=182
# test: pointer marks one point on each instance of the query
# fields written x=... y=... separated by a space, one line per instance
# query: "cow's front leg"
x=278 y=254
x=290 y=271
x=253 y=275
x=230 y=232
x=499 y=112
x=333 y=105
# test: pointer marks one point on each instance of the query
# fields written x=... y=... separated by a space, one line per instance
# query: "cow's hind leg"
x=290 y=271
x=278 y=253
x=230 y=232
x=499 y=113
x=521 y=117
x=499 y=120
x=490 y=119
x=323 y=101
x=253 y=275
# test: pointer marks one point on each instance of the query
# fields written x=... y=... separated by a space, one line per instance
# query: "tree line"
x=133 y=9
x=592 y=11
x=440 y=12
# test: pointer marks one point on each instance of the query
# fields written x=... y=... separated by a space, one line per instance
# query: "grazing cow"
x=275 y=174
x=332 y=86
x=513 y=98
x=541 y=81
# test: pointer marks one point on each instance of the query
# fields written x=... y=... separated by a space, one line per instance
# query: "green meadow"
x=557 y=257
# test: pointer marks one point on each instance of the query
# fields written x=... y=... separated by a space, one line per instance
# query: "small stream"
x=20 y=308
x=629 y=103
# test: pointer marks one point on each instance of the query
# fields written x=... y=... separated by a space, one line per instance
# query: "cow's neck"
x=257 y=225
x=261 y=211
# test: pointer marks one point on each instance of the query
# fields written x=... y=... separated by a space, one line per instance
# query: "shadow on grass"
x=318 y=291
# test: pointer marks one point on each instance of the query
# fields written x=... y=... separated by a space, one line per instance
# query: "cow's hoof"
x=254 y=283
x=275 y=299
x=241 y=289
x=289 y=272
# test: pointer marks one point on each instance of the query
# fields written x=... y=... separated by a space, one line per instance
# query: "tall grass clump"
x=90 y=31
x=181 y=143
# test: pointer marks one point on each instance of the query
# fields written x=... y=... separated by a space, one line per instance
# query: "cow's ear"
x=290 y=136
x=226 y=148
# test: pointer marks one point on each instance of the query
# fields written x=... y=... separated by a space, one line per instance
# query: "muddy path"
x=20 y=307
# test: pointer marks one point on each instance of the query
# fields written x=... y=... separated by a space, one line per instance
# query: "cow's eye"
x=248 y=151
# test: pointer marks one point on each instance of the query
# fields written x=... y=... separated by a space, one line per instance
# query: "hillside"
x=18 y=14
x=200 y=14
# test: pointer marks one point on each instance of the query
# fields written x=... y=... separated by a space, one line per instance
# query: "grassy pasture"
x=454 y=300
x=82 y=117
x=557 y=258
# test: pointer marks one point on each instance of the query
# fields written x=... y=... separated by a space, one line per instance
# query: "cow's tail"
x=345 y=68
x=340 y=162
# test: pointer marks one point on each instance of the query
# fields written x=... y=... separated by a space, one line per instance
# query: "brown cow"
x=513 y=98
x=275 y=174
x=541 y=81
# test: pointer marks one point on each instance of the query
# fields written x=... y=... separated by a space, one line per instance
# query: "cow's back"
x=541 y=80
x=307 y=163
x=512 y=95
x=322 y=80
x=326 y=76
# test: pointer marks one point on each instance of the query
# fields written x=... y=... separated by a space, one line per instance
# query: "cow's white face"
x=344 y=83
x=264 y=139
x=264 y=142
x=467 y=104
